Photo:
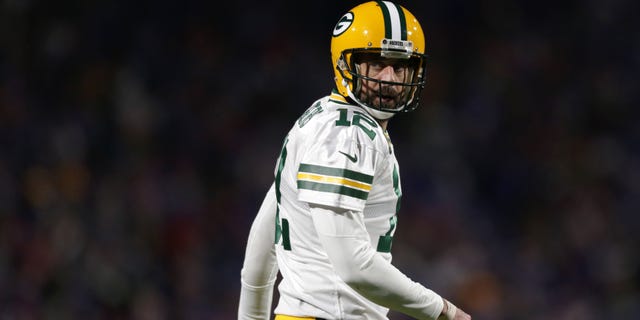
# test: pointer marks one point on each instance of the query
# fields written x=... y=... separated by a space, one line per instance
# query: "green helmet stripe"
x=387 y=19
x=395 y=24
x=403 y=23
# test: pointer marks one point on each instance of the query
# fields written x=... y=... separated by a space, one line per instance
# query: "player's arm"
x=259 y=268
x=344 y=237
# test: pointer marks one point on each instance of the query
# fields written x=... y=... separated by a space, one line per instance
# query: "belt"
x=285 y=317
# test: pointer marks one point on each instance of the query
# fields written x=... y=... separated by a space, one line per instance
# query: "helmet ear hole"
x=342 y=64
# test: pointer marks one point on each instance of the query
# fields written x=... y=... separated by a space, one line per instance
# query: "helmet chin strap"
x=378 y=114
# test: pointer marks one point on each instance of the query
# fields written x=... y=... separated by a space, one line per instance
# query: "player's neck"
x=383 y=123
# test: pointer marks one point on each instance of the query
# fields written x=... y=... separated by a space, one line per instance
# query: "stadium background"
x=138 y=137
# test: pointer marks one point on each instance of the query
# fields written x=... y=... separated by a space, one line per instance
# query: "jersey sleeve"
x=338 y=168
x=347 y=245
x=259 y=269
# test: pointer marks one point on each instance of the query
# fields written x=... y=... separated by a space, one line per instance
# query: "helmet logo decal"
x=343 y=25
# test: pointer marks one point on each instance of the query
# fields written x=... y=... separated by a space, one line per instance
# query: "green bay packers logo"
x=343 y=25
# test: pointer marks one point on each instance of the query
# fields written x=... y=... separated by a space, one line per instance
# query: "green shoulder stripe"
x=336 y=172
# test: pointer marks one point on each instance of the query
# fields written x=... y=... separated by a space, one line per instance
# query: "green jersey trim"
x=334 y=180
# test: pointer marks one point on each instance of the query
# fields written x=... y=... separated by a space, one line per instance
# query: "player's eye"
x=400 y=67
x=376 y=65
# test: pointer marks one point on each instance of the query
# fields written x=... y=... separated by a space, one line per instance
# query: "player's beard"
x=386 y=97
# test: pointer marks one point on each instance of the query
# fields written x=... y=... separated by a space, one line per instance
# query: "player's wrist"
x=448 y=310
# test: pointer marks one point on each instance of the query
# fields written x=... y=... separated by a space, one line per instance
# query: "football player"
x=330 y=216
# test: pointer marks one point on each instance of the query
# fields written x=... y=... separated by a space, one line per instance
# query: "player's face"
x=383 y=93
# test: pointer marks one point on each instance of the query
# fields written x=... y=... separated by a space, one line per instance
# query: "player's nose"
x=387 y=74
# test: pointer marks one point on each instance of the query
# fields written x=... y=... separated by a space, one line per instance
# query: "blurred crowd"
x=137 y=140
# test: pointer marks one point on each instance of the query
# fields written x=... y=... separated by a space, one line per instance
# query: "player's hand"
x=451 y=312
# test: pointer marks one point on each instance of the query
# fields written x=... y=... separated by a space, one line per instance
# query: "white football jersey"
x=335 y=155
